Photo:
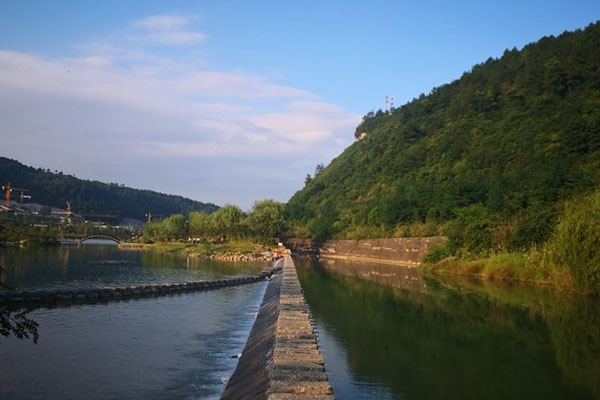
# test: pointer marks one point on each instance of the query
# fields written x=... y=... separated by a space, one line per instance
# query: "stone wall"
x=405 y=251
x=281 y=360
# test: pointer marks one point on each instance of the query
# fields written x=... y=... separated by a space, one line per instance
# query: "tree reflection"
x=457 y=340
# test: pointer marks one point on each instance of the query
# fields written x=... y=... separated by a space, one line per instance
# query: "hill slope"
x=93 y=197
x=509 y=140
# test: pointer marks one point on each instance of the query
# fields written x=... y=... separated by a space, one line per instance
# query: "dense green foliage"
x=266 y=218
x=93 y=197
x=15 y=231
x=488 y=159
x=576 y=244
x=173 y=227
x=35 y=230
x=265 y=222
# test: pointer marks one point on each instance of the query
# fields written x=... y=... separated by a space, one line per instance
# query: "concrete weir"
x=66 y=297
x=281 y=360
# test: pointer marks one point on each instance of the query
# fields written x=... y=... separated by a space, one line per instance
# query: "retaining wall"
x=405 y=251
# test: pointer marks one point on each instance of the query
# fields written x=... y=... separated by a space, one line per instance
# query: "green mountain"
x=93 y=197
x=505 y=145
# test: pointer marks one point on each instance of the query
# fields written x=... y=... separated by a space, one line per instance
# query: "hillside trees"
x=506 y=144
x=93 y=197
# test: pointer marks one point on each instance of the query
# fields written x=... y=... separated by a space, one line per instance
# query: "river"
x=174 y=347
x=387 y=332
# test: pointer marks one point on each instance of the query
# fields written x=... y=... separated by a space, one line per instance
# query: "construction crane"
x=149 y=216
x=8 y=189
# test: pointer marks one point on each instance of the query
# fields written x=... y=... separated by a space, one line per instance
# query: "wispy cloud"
x=145 y=113
x=168 y=29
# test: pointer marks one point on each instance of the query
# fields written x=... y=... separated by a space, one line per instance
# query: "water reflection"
x=107 y=265
x=390 y=275
x=449 y=338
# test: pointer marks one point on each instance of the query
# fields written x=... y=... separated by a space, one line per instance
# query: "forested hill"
x=507 y=142
x=93 y=197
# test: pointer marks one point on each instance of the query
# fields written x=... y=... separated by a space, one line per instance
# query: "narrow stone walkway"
x=297 y=369
x=281 y=359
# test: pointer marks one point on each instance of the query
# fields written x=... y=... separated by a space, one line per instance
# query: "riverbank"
x=431 y=256
x=516 y=266
x=231 y=251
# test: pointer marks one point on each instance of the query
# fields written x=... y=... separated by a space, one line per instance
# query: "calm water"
x=388 y=333
x=106 y=265
x=176 y=347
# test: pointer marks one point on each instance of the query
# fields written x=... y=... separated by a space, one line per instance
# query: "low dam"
x=65 y=297
x=281 y=360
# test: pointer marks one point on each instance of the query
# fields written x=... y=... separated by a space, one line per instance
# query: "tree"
x=319 y=168
x=14 y=321
x=175 y=226
x=266 y=218
x=151 y=231
x=307 y=179
x=200 y=224
x=227 y=220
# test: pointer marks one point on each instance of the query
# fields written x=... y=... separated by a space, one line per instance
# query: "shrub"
x=438 y=252
x=535 y=228
x=576 y=243
x=472 y=229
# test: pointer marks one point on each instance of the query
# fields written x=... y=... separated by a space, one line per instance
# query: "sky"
x=232 y=101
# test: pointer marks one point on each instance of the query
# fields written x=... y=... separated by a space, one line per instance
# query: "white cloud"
x=162 y=22
x=147 y=115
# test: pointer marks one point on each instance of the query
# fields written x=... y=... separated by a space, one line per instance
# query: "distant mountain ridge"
x=513 y=137
x=93 y=197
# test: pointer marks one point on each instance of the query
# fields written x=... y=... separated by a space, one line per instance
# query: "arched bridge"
x=107 y=237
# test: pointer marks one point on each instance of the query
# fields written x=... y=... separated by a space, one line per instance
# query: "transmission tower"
x=389 y=103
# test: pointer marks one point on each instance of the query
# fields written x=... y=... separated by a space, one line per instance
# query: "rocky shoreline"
x=267 y=256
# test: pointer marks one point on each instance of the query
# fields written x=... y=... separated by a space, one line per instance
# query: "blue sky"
x=232 y=101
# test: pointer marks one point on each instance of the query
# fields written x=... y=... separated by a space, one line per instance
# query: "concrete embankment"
x=66 y=297
x=281 y=360
x=402 y=251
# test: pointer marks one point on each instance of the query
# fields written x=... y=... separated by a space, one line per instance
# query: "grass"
x=516 y=266
x=207 y=249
